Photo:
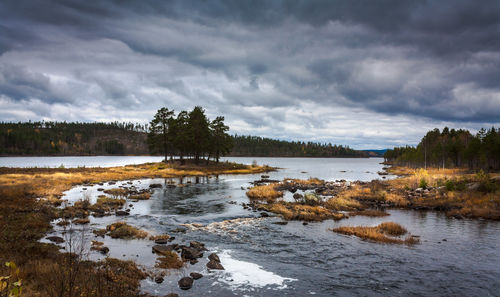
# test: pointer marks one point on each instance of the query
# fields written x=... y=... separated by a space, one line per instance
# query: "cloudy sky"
x=368 y=74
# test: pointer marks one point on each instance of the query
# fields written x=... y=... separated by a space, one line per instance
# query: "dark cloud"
x=293 y=69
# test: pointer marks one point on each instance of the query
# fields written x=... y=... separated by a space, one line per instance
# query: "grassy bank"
x=456 y=192
x=44 y=270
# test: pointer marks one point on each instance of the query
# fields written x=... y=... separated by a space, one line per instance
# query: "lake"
x=455 y=257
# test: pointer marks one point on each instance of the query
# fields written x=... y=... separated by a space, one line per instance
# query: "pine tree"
x=160 y=132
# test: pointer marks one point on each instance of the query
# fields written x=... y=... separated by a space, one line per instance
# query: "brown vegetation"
x=125 y=231
x=379 y=233
x=169 y=259
x=296 y=211
x=264 y=192
x=369 y=213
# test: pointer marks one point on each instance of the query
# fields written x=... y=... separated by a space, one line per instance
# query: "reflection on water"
x=454 y=258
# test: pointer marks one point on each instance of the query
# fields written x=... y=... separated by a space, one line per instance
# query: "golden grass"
x=296 y=211
x=342 y=203
x=141 y=196
x=378 y=233
x=264 y=192
x=117 y=192
x=108 y=203
x=169 y=260
x=310 y=181
x=125 y=231
x=369 y=213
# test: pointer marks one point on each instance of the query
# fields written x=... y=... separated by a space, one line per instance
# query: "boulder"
x=214 y=257
x=155 y=186
x=121 y=213
x=189 y=253
x=162 y=241
x=164 y=249
x=214 y=265
x=185 y=283
x=172 y=295
x=197 y=245
x=158 y=279
x=196 y=275
x=56 y=239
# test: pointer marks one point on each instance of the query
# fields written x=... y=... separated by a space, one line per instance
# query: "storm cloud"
x=369 y=74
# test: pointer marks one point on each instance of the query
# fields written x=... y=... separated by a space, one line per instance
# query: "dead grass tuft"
x=378 y=233
x=125 y=231
x=295 y=211
x=169 y=260
x=264 y=192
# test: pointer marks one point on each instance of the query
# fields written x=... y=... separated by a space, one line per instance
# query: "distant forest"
x=62 y=138
x=451 y=148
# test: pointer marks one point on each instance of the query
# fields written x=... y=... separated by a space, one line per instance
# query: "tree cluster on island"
x=188 y=134
x=451 y=148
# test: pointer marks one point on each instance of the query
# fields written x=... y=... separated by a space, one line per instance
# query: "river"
x=454 y=258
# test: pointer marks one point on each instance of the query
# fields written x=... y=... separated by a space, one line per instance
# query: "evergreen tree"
x=160 y=132
x=221 y=143
x=199 y=133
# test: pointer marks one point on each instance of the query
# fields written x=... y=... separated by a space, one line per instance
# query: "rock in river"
x=196 y=275
x=214 y=257
x=56 y=239
x=164 y=249
x=189 y=253
x=185 y=283
x=214 y=265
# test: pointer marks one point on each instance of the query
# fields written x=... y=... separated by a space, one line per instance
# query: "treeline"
x=75 y=138
x=189 y=134
x=451 y=148
x=266 y=147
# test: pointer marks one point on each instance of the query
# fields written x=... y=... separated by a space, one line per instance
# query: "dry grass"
x=141 y=196
x=169 y=260
x=117 y=192
x=342 y=203
x=369 y=213
x=310 y=181
x=264 y=192
x=104 y=202
x=159 y=237
x=296 y=211
x=378 y=233
x=125 y=231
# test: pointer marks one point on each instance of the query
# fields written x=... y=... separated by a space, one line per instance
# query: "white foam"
x=247 y=275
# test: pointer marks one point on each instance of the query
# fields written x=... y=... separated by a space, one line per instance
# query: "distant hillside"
x=82 y=139
x=55 y=138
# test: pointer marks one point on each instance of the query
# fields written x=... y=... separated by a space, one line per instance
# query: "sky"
x=367 y=74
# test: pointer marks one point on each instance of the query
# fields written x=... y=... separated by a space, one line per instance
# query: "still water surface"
x=454 y=258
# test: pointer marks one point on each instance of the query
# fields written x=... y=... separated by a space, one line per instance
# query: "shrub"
x=423 y=183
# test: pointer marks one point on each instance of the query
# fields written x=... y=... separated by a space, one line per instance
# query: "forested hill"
x=451 y=148
x=61 y=138
x=267 y=147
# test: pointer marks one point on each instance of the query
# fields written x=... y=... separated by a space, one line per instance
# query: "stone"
x=158 y=279
x=171 y=295
x=185 y=283
x=155 y=186
x=189 y=253
x=196 y=275
x=56 y=239
x=281 y=223
x=197 y=245
x=162 y=241
x=214 y=265
x=264 y=214
x=214 y=257
x=121 y=213
x=164 y=249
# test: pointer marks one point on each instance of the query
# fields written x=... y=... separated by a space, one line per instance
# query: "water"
x=454 y=258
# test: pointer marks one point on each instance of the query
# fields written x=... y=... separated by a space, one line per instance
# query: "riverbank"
x=456 y=192
x=25 y=219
